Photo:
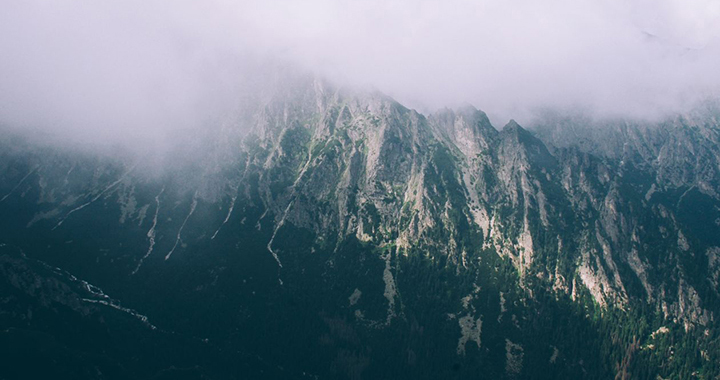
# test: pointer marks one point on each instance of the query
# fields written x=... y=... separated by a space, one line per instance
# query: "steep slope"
x=342 y=235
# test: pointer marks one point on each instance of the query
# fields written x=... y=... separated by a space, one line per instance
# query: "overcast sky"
x=108 y=69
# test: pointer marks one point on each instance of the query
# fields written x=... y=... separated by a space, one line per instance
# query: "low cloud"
x=116 y=70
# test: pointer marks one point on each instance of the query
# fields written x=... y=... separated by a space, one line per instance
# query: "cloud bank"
x=104 y=71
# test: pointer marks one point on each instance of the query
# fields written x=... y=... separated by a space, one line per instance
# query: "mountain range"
x=327 y=232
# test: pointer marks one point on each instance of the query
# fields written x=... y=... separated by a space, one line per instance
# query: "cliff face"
x=344 y=235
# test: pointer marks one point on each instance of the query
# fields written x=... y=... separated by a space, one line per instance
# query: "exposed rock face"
x=656 y=181
x=438 y=226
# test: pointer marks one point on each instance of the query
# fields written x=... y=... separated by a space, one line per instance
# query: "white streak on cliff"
x=177 y=238
x=151 y=233
x=112 y=185
x=142 y=318
x=287 y=209
x=227 y=217
x=20 y=183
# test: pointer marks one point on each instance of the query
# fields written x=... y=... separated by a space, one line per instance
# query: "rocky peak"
x=468 y=128
x=519 y=145
x=513 y=127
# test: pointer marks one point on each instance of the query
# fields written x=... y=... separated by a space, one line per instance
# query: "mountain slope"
x=346 y=236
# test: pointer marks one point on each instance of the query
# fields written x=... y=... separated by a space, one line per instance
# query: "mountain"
x=333 y=233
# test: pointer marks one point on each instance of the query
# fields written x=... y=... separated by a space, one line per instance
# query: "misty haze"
x=359 y=189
